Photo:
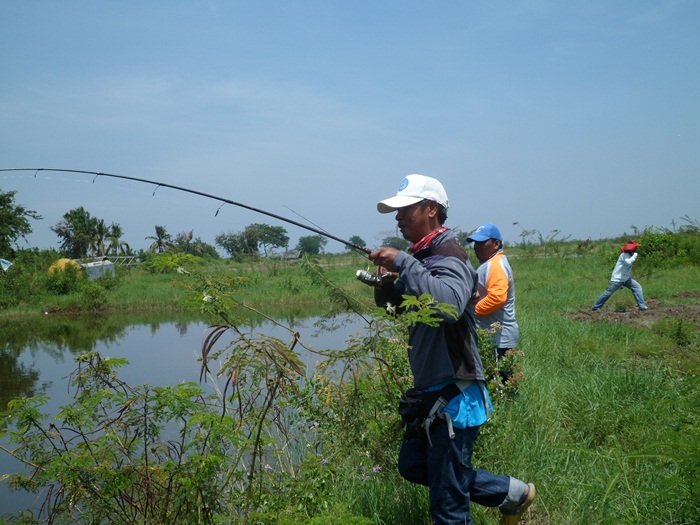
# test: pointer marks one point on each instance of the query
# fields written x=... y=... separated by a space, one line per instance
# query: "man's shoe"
x=512 y=516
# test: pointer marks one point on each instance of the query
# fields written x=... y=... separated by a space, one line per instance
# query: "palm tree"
x=116 y=245
x=100 y=232
x=183 y=241
x=162 y=240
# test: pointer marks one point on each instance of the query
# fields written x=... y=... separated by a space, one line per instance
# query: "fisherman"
x=496 y=292
x=437 y=447
x=622 y=276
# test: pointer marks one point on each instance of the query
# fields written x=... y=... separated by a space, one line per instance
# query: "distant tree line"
x=82 y=235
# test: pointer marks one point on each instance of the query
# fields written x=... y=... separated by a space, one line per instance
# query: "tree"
x=116 y=246
x=235 y=244
x=186 y=242
x=395 y=242
x=357 y=241
x=311 y=244
x=462 y=237
x=183 y=241
x=161 y=241
x=98 y=241
x=79 y=233
x=14 y=222
x=254 y=237
x=269 y=236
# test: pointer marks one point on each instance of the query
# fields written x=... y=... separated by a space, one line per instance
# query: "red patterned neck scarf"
x=425 y=241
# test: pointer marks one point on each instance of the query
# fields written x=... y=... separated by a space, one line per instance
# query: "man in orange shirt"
x=495 y=288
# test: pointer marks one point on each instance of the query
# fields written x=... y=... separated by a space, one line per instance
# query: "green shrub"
x=665 y=248
x=503 y=376
x=65 y=281
x=93 y=296
x=171 y=262
x=690 y=246
x=26 y=277
x=658 y=248
x=680 y=331
x=14 y=286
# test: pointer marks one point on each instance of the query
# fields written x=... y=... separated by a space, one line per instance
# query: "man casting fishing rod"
x=448 y=374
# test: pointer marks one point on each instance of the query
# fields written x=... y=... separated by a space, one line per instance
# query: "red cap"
x=630 y=246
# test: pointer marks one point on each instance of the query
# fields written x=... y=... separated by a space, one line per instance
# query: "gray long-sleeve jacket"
x=449 y=351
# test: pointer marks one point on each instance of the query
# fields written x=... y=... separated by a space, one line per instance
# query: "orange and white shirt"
x=496 y=300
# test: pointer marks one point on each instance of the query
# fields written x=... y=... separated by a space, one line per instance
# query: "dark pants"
x=446 y=469
x=500 y=354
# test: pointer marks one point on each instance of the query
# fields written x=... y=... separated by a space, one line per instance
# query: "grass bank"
x=267 y=283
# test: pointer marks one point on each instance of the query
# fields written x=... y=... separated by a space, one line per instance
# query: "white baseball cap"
x=415 y=188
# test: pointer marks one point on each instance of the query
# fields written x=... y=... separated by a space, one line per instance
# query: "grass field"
x=606 y=422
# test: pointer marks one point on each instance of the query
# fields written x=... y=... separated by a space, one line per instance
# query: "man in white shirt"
x=622 y=276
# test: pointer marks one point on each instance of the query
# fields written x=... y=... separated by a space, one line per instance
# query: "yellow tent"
x=61 y=265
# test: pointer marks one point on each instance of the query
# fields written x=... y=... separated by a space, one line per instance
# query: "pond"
x=38 y=356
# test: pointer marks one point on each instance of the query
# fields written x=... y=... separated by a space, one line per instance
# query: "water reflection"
x=16 y=379
x=26 y=342
x=37 y=356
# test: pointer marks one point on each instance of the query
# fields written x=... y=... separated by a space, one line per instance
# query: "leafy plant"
x=93 y=296
x=14 y=222
x=171 y=262
x=26 y=278
x=64 y=281
x=658 y=248
x=119 y=454
x=503 y=376
x=680 y=331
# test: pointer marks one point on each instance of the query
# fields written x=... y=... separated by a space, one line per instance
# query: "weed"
x=680 y=331
x=503 y=375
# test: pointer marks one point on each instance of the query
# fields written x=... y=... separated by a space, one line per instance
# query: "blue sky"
x=582 y=117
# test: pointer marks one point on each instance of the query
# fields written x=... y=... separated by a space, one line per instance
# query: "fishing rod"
x=157 y=184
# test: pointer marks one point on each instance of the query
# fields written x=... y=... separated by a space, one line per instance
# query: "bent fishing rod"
x=157 y=184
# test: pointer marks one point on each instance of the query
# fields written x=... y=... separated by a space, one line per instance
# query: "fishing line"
x=300 y=215
x=157 y=184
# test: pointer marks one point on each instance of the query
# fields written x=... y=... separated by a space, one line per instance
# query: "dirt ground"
x=689 y=311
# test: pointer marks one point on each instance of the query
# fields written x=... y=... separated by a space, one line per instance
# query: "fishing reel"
x=370 y=279
x=373 y=279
